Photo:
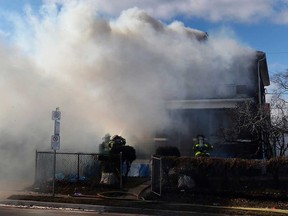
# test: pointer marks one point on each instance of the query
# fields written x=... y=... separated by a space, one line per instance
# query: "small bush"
x=224 y=172
x=277 y=165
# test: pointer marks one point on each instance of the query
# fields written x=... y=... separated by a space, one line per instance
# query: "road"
x=16 y=211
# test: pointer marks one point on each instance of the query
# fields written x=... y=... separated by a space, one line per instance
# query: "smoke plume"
x=107 y=74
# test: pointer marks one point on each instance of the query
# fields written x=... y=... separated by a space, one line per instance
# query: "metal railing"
x=156 y=176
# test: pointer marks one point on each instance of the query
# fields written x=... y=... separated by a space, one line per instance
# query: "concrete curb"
x=283 y=211
x=97 y=208
x=131 y=210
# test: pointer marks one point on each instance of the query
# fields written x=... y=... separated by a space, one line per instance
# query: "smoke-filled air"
x=107 y=74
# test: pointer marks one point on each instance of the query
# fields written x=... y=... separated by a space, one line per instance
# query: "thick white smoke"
x=106 y=75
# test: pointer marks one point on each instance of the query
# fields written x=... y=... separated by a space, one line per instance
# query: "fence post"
x=78 y=167
x=161 y=176
x=121 y=171
x=36 y=166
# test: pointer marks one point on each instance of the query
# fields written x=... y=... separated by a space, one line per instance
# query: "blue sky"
x=260 y=24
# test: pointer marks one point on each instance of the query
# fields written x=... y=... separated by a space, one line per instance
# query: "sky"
x=261 y=24
x=110 y=65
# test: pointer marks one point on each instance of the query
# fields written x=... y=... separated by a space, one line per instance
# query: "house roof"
x=262 y=66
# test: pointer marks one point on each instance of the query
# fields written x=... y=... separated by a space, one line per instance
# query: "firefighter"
x=202 y=149
x=104 y=146
x=116 y=141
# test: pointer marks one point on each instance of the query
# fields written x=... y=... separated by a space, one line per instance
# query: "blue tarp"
x=70 y=177
x=138 y=170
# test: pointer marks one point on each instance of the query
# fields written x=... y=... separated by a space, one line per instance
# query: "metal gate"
x=156 y=176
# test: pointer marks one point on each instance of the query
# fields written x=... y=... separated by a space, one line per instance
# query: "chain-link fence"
x=74 y=168
x=86 y=173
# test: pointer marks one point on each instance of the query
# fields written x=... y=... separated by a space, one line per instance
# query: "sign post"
x=55 y=140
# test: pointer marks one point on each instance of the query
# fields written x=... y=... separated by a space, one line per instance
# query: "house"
x=205 y=113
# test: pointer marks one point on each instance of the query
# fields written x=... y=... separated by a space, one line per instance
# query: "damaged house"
x=205 y=112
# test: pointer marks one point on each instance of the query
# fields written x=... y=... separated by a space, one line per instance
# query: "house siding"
x=205 y=110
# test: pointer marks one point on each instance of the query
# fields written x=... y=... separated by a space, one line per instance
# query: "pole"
x=54 y=172
x=55 y=141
